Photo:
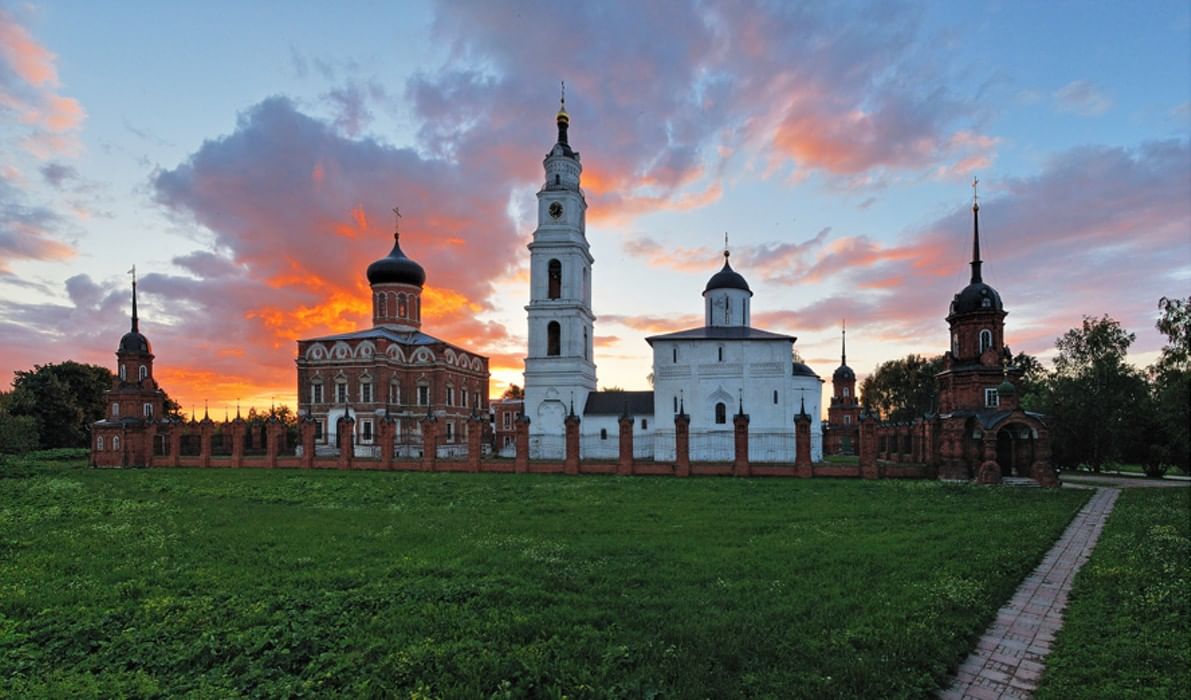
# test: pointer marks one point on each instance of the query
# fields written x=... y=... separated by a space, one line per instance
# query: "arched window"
x=645 y=424
x=986 y=340
x=847 y=392
x=585 y=344
x=676 y=404
x=418 y=309
x=721 y=413
x=775 y=397
x=380 y=305
x=721 y=356
x=847 y=420
x=674 y=353
x=148 y=409
x=394 y=392
x=603 y=433
x=144 y=372
x=99 y=443
x=955 y=343
x=402 y=306
x=554 y=277
x=557 y=179
x=115 y=410
x=553 y=339
x=115 y=442
x=123 y=373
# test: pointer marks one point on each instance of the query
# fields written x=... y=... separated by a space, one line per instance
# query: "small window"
x=116 y=442
x=847 y=420
x=676 y=404
x=557 y=179
x=674 y=354
x=986 y=340
x=986 y=303
x=148 y=408
x=318 y=430
x=380 y=306
x=585 y=344
x=508 y=420
x=464 y=392
x=603 y=433
x=366 y=392
x=144 y=372
x=846 y=392
x=644 y=424
x=123 y=373
x=341 y=392
x=775 y=397
x=394 y=393
x=721 y=413
x=450 y=432
x=115 y=410
x=450 y=396
x=402 y=306
x=316 y=393
x=954 y=342
x=721 y=353
x=423 y=395
x=366 y=430
x=553 y=339
x=991 y=398
x=99 y=443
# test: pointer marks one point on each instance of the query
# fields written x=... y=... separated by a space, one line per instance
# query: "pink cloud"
x=28 y=89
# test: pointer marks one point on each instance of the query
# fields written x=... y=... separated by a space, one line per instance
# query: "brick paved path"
x=1008 y=659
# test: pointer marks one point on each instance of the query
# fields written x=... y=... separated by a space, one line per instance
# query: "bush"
x=18 y=434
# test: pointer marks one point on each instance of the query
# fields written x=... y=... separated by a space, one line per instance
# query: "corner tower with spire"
x=843 y=415
x=559 y=366
x=132 y=405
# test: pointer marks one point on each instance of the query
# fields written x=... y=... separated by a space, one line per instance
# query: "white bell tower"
x=559 y=367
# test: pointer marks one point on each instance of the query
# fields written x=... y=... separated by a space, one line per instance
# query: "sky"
x=245 y=157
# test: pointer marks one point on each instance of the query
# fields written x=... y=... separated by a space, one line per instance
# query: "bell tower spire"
x=135 y=323
x=976 y=262
x=843 y=343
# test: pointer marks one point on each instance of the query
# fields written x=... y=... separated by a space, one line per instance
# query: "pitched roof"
x=721 y=333
x=613 y=403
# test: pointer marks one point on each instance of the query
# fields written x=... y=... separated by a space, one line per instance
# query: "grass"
x=254 y=583
x=1127 y=631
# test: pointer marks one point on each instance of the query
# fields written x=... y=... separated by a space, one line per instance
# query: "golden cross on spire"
x=725 y=245
x=396 y=221
x=975 y=195
x=563 y=98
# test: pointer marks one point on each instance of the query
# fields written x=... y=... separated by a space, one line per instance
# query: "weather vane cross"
x=132 y=271
x=396 y=219
x=563 y=95
x=975 y=196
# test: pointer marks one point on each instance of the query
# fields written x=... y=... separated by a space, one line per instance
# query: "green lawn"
x=1127 y=631
x=224 y=583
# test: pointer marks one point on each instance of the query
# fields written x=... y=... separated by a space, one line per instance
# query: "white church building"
x=711 y=373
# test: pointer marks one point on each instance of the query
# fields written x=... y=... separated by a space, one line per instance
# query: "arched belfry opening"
x=554 y=280
x=1015 y=449
x=553 y=339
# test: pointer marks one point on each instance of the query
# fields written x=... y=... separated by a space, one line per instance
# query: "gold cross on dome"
x=396 y=218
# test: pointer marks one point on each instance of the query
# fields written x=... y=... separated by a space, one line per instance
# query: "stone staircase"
x=1020 y=482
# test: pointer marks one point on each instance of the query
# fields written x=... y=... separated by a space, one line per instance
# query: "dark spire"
x=562 y=118
x=135 y=323
x=976 y=278
x=681 y=403
x=802 y=405
x=843 y=343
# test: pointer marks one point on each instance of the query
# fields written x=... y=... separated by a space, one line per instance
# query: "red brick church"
x=391 y=375
x=842 y=430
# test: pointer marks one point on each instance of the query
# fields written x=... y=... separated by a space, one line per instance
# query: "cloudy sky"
x=245 y=157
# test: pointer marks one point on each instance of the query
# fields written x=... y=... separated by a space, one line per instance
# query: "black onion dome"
x=843 y=372
x=396 y=268
x=727 y=278
x=977 y=296
x=133 y=341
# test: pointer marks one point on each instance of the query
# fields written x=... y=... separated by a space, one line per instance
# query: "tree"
x=17 y=433
x=1171 y=376
x=1032 y=383
x=513 y=392
x=904 y=389
x=1101 y=405
x=64 y=400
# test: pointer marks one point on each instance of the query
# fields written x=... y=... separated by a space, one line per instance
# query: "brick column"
x=386 y=432
x=429 y=443
x=345 y=433
x=274 y=434
x=205 y=430
x=176 y=430
x=624 y=466
x=1041 y=469
x=868 y=447
x=306 y=431
x=740 y=465
x=237 y=431
x=802 y=445
x=682 y=445
x=989 y=472
x=475 y=441
x=521 y=443
x=571 y=463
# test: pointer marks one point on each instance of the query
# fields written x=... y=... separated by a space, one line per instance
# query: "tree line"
x=1100 y=408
